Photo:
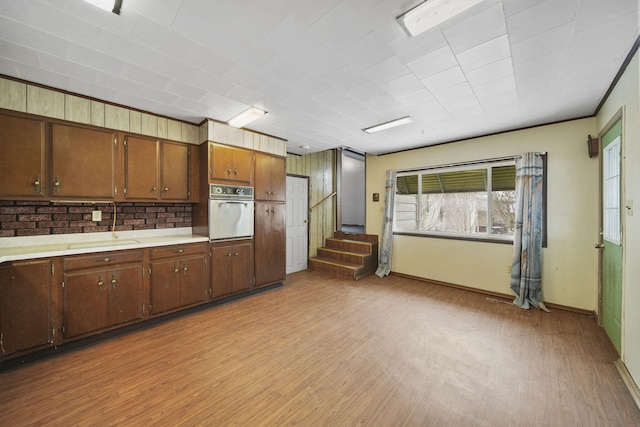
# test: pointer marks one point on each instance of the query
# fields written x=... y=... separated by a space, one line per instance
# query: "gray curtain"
x=526 y=269
x=386 y=236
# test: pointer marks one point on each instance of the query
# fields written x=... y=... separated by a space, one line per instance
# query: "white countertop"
x=32 y=247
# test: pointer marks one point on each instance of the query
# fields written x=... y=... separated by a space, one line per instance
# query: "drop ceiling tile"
x=387 y=70
x=512 y=7
x=64 y=67
x=276 y=92
x=94 y=59
x=368 y=51
x=245 y=96
x=19 y=53
x=433 y=63
x=417 y=97
x=462 y=90
x=490 y=72
x=178 y=88
x=593 y=13
x=540 y=18
x=412 y=48
x=556 y=39
x=149 y=9
x=332 y=96
x=534 y=67
x=366 y=92
x=485 y=53
x=281 y=41
x=309 y=84
x=143 y=76
x=31 y=37
x=486 y=25
x=282 y=70
x=503 y=85
x=444 y=80
x=157 y=38
x=207 y=60
x=242 y=75
x=346 y=78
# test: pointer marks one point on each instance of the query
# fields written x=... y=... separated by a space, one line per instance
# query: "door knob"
x=599 y=246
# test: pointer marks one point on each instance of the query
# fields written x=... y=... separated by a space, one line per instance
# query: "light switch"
x=96 y=216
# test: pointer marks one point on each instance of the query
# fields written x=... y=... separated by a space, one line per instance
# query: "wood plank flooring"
x=330 y=352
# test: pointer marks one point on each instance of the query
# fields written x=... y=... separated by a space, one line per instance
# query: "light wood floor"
x=329 y=352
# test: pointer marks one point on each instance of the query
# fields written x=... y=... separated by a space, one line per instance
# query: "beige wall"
x=626 y=96
x=569 y=262
x=320 y=168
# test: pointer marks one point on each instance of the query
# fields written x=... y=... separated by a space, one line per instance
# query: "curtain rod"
x=471 y=162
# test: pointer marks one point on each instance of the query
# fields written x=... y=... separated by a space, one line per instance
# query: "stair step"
x=340 y=255
x=339 y=268
x=354 y=246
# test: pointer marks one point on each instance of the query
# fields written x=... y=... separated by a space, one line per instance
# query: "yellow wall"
x=569 y=262
x=320 y=168
x=626 y=96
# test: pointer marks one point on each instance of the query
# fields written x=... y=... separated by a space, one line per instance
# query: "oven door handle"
x=231 y=203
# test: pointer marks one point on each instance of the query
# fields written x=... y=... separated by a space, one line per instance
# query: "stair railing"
x=322 y=201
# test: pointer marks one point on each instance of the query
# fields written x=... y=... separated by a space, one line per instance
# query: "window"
x=472 y=201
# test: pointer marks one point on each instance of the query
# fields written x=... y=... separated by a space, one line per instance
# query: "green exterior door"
x=612 y=234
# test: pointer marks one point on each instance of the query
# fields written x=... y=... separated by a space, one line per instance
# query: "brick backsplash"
x=24 y=218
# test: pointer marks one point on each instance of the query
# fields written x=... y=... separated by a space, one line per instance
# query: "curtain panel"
x=386 y=235
x=526 y=269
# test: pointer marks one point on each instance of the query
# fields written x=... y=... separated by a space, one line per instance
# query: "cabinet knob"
x=179 y=251
x=235 y=172
x=56 y=184
x=184 y=268
x=176 y=269
x=36 y=183
x=166 y=189
x=229 y=172
x=236 y=254
x=154 y=189
x=229 y=254
x=113 y=282
x=107 y=259
x=100 y=283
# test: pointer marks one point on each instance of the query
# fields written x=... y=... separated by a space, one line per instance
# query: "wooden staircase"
x=346 y=255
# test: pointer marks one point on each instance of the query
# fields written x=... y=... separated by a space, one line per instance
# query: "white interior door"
x=297 y=223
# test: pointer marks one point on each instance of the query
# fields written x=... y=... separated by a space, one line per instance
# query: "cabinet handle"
x=36 y=183
x=236 y=254
x=229 y=172
x=235 y=171
x=184 y=268
x=166 y=189
x=107 y=259
x=56 y=184
x=229 y=254
x=100 y=282
x=154 y=189
x=179 y=251
x=113 y=282
x=175 y=270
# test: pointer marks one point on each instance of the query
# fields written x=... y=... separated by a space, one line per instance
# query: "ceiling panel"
x=326 y=69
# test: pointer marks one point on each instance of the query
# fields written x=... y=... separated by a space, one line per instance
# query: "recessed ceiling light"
x=108 y=5
x=431 y=13
x=246 y=117
x=388 y=125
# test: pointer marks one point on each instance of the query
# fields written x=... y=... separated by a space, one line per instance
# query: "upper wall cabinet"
x=83 y=162
x=270 y=177
x=156 y=170
x=22 y=157
x=230 y=164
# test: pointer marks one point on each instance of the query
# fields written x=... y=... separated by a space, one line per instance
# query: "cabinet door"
x=278 y=179
x=242 y=266
x=25 y=298
x=125 y=295
x=220 y=163
x=22 y=157
x=230 y=164
x=270 y=241
x=85 y=302
x=165 y=285
x=221 y=270
x=192 y=280
x=82 y=162
x=243 y=165
x=141 y=168
x=174 y=171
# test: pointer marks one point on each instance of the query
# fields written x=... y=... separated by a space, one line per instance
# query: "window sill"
x=506 y=240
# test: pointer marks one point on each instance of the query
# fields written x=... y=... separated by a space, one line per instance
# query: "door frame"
x=619 y=115
x=308 y=221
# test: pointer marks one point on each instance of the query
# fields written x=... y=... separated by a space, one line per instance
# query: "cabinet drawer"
x=178 y=250
x=102 y=259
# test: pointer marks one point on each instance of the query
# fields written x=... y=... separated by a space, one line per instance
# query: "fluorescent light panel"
x=246 y=117
x=432 y=13
x=388 y=125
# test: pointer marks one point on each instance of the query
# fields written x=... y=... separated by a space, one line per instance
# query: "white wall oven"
x=231 y=210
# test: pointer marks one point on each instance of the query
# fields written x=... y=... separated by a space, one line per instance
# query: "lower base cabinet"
x=177 y=277
x=231 y=267
x=25 y=306
x=101 y=291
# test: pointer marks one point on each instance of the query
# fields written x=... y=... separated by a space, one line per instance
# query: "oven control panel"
x=230 y=192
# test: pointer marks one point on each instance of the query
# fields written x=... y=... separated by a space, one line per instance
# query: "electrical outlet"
x=96 y=216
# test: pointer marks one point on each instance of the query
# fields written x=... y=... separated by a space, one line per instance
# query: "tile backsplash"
x=27 y=218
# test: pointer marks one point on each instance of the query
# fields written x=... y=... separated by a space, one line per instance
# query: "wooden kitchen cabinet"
x=230 y=164
x=23 y=172
x=155 y=169
x=270 y=243
x=101 y=291
x=231 y=267
x=25 y=306
x=178 y=275
x=270 y=177
x=83 y=162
